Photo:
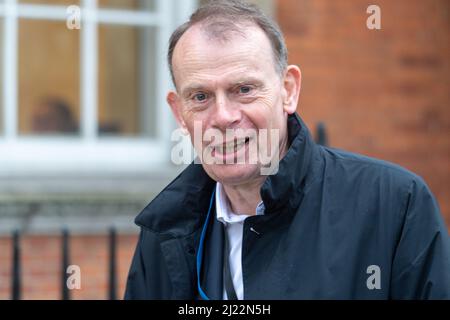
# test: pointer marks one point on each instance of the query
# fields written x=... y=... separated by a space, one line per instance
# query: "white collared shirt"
x=234 y=225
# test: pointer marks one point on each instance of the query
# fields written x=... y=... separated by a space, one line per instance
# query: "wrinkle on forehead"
x=201 y=63
x=199 y=54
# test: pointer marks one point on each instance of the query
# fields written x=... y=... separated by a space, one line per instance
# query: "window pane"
x=51 y=2
x=48 y=78
x=128 y=4
x=126 y=80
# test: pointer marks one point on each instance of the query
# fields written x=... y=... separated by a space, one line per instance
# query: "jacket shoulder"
x=371 y=167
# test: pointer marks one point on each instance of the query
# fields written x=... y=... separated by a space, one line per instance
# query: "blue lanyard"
x=200 y=248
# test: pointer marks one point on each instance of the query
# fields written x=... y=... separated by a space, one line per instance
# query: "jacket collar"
x=181 y=207
x=295 y=170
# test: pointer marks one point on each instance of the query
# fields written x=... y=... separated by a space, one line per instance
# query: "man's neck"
x=244 y=198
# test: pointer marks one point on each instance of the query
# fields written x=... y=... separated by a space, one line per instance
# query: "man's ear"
x=174 y=102
x=292 y=83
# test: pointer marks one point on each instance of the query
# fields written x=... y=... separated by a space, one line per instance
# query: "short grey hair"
x=220 y=18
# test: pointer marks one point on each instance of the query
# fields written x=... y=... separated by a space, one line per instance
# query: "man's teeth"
x=230 y=147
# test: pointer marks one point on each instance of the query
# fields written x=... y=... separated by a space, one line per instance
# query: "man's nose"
x=225 y=114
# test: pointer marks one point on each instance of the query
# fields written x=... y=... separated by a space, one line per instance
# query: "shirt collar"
x=223 y=208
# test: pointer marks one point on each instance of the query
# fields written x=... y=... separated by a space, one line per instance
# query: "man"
x=324 y=224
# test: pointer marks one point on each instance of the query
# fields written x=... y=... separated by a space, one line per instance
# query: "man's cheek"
x=261 y=115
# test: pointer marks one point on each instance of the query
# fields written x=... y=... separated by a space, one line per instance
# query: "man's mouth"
x=231 y=147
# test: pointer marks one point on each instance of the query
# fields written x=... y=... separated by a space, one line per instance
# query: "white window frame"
x=88 y=153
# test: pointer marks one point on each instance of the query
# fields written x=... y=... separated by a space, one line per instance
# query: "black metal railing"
x=16 y=285
x=112 y=265
x=65 y=295
x=321 y=134
x=16 y=268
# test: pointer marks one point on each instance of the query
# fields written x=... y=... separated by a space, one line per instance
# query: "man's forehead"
x=197 y=51
x=221 y=35
x=198 y=39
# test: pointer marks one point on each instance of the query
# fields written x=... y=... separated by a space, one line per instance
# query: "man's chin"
x=233 y=173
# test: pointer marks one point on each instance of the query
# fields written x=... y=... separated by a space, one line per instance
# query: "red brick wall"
x=381 y=93
x=41 y=266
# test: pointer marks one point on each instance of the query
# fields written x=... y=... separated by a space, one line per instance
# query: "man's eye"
x=200 y=97
x=245 y=89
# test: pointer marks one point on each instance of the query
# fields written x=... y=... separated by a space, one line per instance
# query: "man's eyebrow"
x=239 y=81
x=190 y=88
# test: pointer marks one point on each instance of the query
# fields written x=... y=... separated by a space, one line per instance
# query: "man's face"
x=227 y=85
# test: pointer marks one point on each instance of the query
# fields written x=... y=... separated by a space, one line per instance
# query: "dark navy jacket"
x=336 y=226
